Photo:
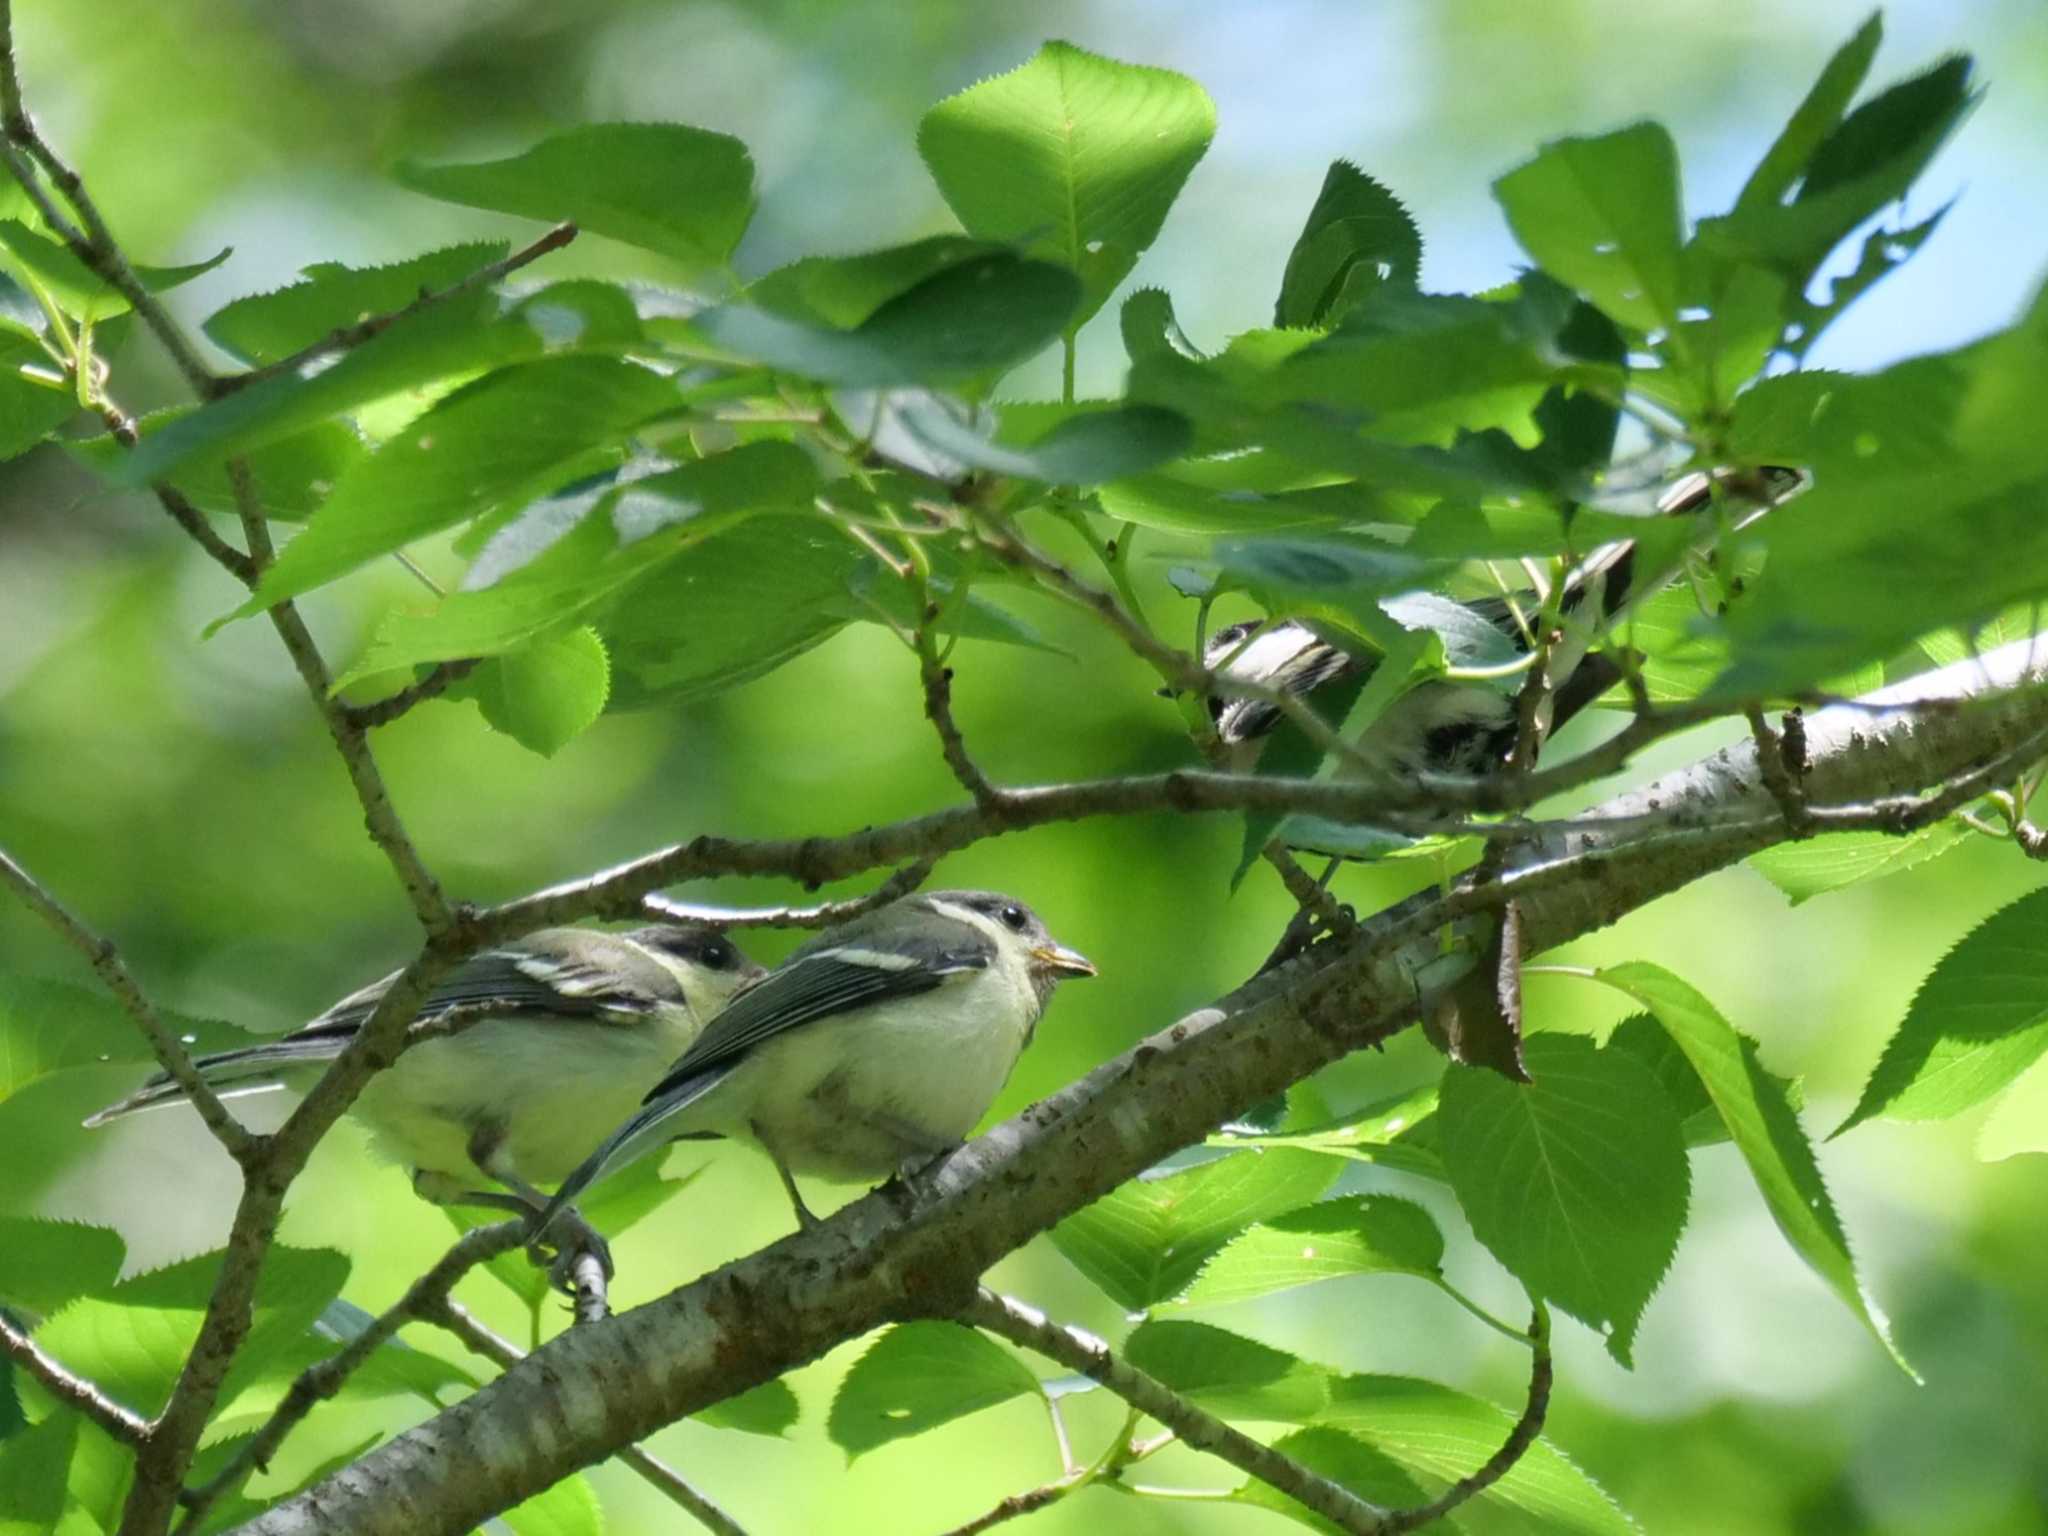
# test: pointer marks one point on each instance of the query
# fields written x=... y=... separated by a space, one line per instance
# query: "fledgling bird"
x=589 y=1022
x=1450 y=726
x=877 y=1045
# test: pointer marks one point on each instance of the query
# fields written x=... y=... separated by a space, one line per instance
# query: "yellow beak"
x=1062 y=961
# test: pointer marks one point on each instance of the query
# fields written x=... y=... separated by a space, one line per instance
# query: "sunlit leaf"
x=684 y=192
x=51 y=1262
x=78 y=290
x=1357 y=231
x=1347 y=1461
x=770 y=1409
x=1766 y=1130
x=1979 y=1020
x=1576 y=1181
x=1353 y=1235
x=1816 y=865
x=920 y=1375
x=1072 y=156
x=1144 y=1242
x=1228 y=1374
x=264 y=327
x=547 y=692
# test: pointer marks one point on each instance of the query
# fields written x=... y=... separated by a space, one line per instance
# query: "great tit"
x=876 y=1046
x=589 y=1022
x=1449 y=726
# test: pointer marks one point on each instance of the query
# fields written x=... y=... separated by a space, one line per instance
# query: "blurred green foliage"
x=182 y=796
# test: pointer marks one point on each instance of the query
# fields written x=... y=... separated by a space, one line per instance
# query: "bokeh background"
x=182 y=796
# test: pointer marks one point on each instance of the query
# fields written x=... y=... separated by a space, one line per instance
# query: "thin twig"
x=321 y=1381
x=342 y=338
x=937 y=679
x=1774 y=763
x=169 y=1051
x=1523 y=1435
x=380 y=817
x=1195 y=1426
x=383 y=711
x=174 y=501
x=73 y=1391
x=93 y=243
x=460 y=1321
x=825 y=914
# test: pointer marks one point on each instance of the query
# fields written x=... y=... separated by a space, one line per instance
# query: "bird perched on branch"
x=875 y=1046
x=573 y=1026
x=1448 y=725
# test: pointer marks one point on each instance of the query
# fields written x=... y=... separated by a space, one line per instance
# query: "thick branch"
x=170 y=1052
x=73 y=1391
x=457 y=1319
x=1195 y=1427
x=919 y=1248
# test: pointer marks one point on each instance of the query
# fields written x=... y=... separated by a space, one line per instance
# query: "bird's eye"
x=1013 y=917
x=718 y=955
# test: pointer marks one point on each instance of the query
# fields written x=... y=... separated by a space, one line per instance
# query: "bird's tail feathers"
x=633 y=1140
x=231 y=1074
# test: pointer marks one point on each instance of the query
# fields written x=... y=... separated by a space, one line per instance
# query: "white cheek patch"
x=873 y=959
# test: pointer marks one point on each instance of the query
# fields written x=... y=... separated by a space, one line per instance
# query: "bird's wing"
x=1300 y=671
x=835 y=977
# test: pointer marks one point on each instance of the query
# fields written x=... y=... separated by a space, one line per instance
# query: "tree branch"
x=319 y=1382
x=918 y=1248
x=380 y=816
x=383 y=711
x=342 y=338
x=122 y=1423
x=94 y=243
x=1523 y=1435
x=174 y=501
x=458 y=1320
x=169 y=1051
x=824 y=914
x=1194 y=1426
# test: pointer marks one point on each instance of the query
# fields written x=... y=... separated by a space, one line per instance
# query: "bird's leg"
x=805 y=1219
x=575 y=1236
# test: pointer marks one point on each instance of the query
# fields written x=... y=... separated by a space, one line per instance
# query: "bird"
x=873 y=1048
x=579 y=1023
x=1444 y=725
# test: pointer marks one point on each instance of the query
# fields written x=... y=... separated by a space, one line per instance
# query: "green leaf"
x=1343 y=573
x=1347 y=1461
x=1816 y=865
x=488 y=443
x=968 y=319
x=1071 y=156
x=728 y=609
x=1602 y=216
x=1356 y=226
x=1228 y=1374
x=1577 y=1181
x=770 y=1409
x=1175 y=505
x=564 y=556
x=51 y=1262
x=265 y=327
x=291 y=476
x=78 y=290
x=31 y=408
x=133 y=1338
x=1446 y=1434
x=2018 y=1122
x=547 y=692
x=1144 y=1242
x=1352 y=1235
x=1083 y=450
x=1397 y=1132
x=1979 y=1020
x=1787 y=158
x=918 y=1376
x=50 y=1026
x=1760 y=1118
x=567 y=1508
x=35 y=1470
x=683 y=192
x=839 y=292
x=443 y=342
